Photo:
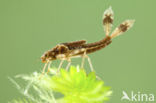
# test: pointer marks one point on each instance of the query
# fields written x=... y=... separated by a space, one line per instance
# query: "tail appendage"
x=123 y=27
x=108 y=18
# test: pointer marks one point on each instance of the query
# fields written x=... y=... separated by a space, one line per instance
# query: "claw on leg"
x=58 y=70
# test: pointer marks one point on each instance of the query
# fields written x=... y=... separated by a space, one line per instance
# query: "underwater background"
x=30 y=27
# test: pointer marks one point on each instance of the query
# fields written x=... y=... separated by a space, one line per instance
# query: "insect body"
x=66 y=51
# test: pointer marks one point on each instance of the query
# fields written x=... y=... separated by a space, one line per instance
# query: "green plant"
x=73 y=86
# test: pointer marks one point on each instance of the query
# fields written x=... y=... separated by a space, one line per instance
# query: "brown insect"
x=66 y=51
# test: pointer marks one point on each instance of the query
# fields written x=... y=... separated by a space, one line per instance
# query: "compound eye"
x=45 y=55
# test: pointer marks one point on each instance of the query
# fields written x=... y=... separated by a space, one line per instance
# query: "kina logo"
x=137 y=96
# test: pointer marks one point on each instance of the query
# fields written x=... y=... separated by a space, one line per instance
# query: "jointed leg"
x=83 y=60
x=58 y=70
x=49 y=67
x=91 y=67
x=43 y=71
x=69 y=62
x=90 y=63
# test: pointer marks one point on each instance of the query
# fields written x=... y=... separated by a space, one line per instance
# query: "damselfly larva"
x=66 y=51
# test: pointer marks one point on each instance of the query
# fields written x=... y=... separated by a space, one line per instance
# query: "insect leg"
x=90 y=63
x=49 y=67
x=58 y=70
x=69 y=63
x=91 y=67
x=43 y=71
x=83 y=60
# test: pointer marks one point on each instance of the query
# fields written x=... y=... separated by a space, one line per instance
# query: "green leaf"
x=75 y=85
